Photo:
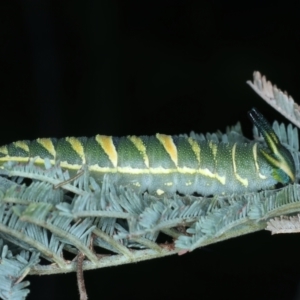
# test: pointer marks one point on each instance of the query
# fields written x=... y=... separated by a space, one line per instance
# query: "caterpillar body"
x=167 y=164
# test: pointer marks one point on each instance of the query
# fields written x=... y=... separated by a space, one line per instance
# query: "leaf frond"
x=284 y=224
x=279 y=100
x=13 y=268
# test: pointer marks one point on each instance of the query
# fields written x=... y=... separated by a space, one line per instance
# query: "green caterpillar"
x=167 y=164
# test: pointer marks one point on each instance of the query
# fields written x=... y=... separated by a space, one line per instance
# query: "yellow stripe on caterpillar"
x=77 y=147
x=22 y=145
x=277 y=155
x=157 y=171
x=254 y=151
x=139 y=144
x=107 y=144
x=243 y=181
x=196 y=148
x=168 y=143
x=48 y=145
x=4 y=150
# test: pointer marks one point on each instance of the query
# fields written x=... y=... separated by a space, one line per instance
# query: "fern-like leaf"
x=13 y=268
x=279 y=100
x=284 y=224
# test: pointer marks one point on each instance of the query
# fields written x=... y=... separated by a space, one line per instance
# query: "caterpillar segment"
x=164 y=164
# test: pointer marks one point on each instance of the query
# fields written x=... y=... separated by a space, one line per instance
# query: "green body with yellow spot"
x=167 y=164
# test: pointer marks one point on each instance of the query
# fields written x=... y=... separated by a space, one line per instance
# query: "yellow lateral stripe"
x=168 y=143
x=139 y=144
x=196 y=148
x=160 y=170
x=77 y=147
x=207 y=173
x=243 y=181
x=48 y=145
x=22 y=145
x=254 y=151
x=4 y=150
x=14 y=158
x=106 y=142
x=124 y=170
x=37 y=160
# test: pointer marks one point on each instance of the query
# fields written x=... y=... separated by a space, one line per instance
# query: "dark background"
x=71 y=68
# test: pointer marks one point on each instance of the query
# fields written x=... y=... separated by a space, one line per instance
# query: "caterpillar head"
x=280 y=158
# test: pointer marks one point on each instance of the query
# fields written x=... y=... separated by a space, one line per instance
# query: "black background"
x=71 y=68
